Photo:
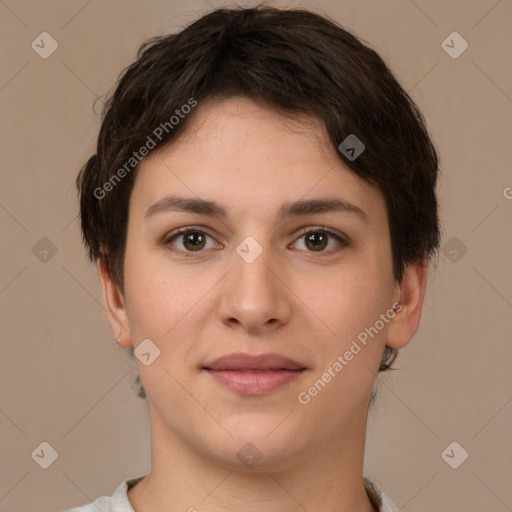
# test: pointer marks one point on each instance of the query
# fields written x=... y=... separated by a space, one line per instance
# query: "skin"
x=293 y=300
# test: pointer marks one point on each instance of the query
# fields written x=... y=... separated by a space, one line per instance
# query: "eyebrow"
x=288 y=209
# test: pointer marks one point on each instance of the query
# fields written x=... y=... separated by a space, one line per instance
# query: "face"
x=260 y=274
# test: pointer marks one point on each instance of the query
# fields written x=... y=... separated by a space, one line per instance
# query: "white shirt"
x=119 y=502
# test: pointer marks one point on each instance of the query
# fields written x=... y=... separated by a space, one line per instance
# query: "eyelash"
x=304 y=231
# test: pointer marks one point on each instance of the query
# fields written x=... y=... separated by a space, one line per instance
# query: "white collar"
x=120 y=503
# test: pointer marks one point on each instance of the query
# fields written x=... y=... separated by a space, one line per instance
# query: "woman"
x=261 y=209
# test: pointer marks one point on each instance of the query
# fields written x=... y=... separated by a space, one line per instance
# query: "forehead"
x=250 y=155
x=235 y=126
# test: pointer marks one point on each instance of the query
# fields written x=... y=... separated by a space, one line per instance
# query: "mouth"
x=254 y=375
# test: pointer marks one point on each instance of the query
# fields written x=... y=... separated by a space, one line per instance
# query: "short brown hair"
x=290 y=59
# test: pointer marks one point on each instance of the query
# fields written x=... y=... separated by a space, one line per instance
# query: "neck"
x=183 y=479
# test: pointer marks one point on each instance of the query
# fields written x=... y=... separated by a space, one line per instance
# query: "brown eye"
x=193 y=240
x=316 y=240
x=188 y=240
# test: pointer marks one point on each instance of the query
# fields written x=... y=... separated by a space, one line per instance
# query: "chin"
x=259 y=448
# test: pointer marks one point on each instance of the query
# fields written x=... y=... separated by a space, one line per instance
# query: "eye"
x=317 y=239
x=191 y=240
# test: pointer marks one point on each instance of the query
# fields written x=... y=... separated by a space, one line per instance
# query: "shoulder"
x=380 y=500
x=118 y=502
x=103 y=504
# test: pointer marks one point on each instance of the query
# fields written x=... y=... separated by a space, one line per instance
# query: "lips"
x=254 y=375
x=245 y=362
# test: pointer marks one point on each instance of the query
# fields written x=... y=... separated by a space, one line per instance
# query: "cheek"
x=163 y=303
x=153 y=302
x=166 y=310
x=351 y=304
x=347 y=301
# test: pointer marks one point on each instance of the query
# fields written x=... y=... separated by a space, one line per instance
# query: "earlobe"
x=114 y=304
x=406 y=321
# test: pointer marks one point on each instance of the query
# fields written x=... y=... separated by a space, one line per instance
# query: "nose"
x=255 y=297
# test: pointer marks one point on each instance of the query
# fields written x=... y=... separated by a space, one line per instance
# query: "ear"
x=410 y=293
x=114 y=305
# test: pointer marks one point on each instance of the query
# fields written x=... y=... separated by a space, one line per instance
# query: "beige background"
x=65 y=381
